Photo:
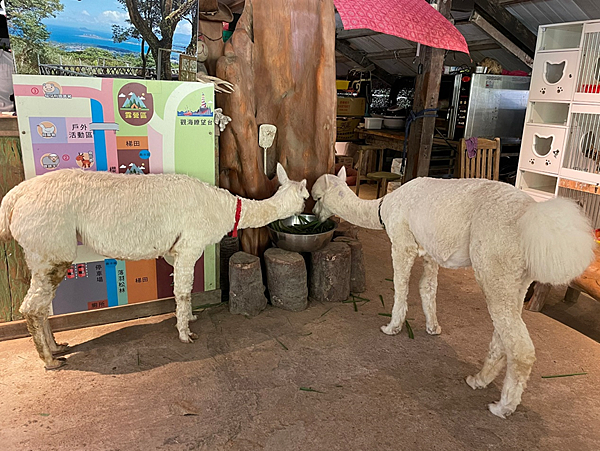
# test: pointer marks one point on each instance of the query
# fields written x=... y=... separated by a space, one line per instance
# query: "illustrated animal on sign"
x=84 y=160
x=50 y=88
x=50 y=160
x=48 y=214
x=47 y=131
x=508 y=239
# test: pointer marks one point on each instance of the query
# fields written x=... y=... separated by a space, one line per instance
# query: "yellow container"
x=342 y=85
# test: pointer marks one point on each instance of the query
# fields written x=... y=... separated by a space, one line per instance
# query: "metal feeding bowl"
x=301 y=242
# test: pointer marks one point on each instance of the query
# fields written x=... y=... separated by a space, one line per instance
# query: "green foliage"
x=28 y=33
x=25 y=18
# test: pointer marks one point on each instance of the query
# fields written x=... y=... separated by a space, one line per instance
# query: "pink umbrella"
x=414 y=20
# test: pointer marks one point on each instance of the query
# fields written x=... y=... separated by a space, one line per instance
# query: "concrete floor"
x=134 y=386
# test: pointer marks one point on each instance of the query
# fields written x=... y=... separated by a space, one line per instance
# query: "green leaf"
x=563 y=375
x=381 y=299
x=310 y=389
x=409 y=330
x=282 y=345
x=326 y=311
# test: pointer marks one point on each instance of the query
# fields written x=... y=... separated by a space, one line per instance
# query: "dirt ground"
x=243 y=384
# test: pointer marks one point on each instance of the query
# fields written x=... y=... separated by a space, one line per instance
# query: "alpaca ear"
x=342 y=174
x=303 y=184
x=281 y=174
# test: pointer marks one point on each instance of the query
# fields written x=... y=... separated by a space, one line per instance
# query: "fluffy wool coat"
x=126 y=217
x=508 y=239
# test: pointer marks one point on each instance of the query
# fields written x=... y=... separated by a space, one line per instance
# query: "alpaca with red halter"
x=49 y=214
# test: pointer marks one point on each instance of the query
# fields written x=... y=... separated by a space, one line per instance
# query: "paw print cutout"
x=548 y=162
x=543 y=90
x=556 y=152
x=559 y=89
x=532 y=161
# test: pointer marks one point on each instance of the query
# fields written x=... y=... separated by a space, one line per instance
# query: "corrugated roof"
x=534 y=14
x=531 y=13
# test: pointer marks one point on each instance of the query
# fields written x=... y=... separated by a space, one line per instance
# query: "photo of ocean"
x=79 y=38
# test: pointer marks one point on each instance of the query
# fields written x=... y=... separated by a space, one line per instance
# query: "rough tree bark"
x=281 y=59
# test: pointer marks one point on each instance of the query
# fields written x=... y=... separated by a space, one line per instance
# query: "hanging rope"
x=428 y=112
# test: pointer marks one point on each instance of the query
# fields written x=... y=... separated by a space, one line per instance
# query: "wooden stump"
x=540 y=293
x=229 y=246
x=330 y=273
x=358 y=279
x=346 y=229
x=246 y=289
x=286 y=279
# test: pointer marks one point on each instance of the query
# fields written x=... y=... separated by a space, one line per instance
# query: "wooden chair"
x=364 y=151
x=485 y=164
x=382 y=179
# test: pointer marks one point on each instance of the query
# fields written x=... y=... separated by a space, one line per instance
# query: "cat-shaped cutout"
x=554 y=71
x=542 y=145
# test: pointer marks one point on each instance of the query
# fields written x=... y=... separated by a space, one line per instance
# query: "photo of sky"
x=89 y=23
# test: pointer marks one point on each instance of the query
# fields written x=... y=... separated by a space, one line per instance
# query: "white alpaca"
x=125 y=217
x=508 y=239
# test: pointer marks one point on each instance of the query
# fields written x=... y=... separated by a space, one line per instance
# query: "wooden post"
x=274 y=84
x=14 y=274
x=427 y=89
x=540 y=293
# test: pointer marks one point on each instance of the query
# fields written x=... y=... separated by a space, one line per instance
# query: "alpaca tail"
x=557 y=241
x=6 y=208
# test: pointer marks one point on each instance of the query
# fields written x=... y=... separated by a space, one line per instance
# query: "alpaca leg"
x=170 y=259
x=56 y=348
x=428 y=289
x=44 y=280
x=505 y=307
x=183 y=282
x=492 y=365
x=58 y=274
x=404 y=252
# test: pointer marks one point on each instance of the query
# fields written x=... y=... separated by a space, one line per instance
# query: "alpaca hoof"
x=436 y=330
x=389 y=330
x=61 y=348
x=56 y=363
x=188 y=338
x=474 y=383
x=500 y=410
x=193 y=318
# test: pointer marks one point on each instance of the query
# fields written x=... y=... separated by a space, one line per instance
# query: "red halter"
x=238 y=213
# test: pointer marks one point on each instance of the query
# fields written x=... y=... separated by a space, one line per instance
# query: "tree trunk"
x=165 y=68
x=281 y=59
x=144 y=61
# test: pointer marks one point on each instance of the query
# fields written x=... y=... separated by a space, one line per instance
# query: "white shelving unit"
x=560 y=150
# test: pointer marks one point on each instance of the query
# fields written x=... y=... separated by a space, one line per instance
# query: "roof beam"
x=474 y=46
x=507 y=24
x=357 y=33
x=361 y=59
x=500 y=38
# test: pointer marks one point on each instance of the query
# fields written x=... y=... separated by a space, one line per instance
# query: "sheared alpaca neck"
x=259 y=213
x=360 y=212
